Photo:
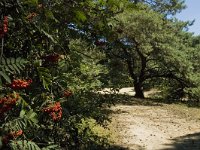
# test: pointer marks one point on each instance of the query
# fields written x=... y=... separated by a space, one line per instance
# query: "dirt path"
x=153 y=126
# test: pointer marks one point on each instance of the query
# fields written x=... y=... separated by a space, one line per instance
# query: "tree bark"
x=137 y=81
x=138 y=90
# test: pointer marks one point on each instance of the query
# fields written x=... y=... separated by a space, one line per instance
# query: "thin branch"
x=2 y=45
x=130 y=65
x=169 y=75
x=143 y=60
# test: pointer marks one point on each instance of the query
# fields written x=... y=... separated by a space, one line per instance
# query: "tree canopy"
x=56 y=55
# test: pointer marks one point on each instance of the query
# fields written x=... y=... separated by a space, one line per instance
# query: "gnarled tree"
x=149 y=45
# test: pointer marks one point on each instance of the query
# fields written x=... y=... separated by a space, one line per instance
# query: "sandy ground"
x=155 y=126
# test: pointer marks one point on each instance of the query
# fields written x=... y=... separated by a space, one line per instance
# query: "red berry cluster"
x=51 y=58
x=67 y=93
x=12 y=135
x=19 y=84
x=15 y=134
x=4 y=27
x=54 y=110
x=5 y=24
x=6 y=103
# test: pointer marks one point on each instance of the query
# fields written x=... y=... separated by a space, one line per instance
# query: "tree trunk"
x=138 y=90
x=137 y=80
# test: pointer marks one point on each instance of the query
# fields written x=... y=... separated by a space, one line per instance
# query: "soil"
x=150 y=125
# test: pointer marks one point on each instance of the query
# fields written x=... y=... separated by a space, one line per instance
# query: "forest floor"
x=152 y=125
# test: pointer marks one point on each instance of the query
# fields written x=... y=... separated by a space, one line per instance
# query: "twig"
x=2 y=44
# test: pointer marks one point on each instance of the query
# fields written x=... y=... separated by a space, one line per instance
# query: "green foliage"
x=25 y=119
x=68 y=50
x=11 y=66
x=87 y=69
x=155 y=49
x=62 y=71
x=45 y=77
x=17 y=145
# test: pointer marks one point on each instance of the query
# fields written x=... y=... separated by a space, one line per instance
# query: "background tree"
x=149 y=45
x=193 y=55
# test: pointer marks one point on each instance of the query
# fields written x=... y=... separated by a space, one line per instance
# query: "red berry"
x=54 y=111
x=5 y=24
x=18 y=84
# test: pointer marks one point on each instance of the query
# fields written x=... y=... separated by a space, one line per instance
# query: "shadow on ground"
x=153 y=97
x=131 y=100
x=117 y=147
x=126 y=99
x=187 y=142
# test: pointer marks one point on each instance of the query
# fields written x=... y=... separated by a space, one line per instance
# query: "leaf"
x=16 y=68
x=80 y=16
x=3 y=61
x=30 y=2
x=8 y=61
x=12 y=60
x=32 y=116
x=50 y=15
x=51 y=147
x=23 y=145
x=29 y=113
x=45 y=77
x=12 y=65
x=8 y=69
x=19 y=66
x=20 y=124
x=29 y=146
x=12 y=68
x=49 y=36
x=34 y=146
x=0 y=83
x=24 y=103
x=22 y=113
x=7 y=78
x=45 y=85
x=18 y=60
